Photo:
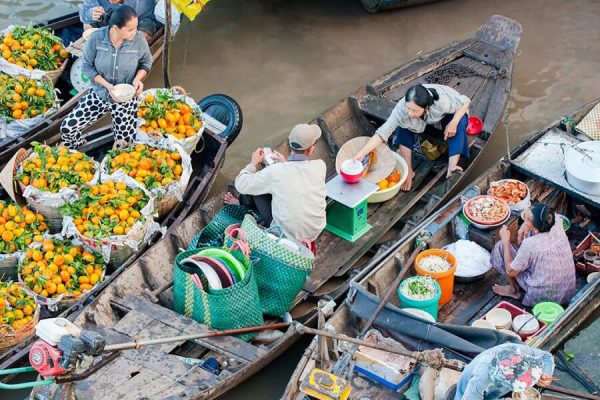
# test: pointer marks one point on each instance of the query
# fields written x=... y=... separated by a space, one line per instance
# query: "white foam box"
x=392 y=368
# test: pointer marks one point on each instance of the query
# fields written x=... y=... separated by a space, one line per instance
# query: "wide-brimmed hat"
x=384 y=158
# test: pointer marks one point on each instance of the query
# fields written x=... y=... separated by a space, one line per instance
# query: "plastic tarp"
x=461 y=339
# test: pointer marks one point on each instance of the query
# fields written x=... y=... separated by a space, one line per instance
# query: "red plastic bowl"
x=351 y=171
x=475 y=125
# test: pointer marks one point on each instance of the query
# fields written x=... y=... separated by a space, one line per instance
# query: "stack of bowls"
x=500 y=318
x=525 y=324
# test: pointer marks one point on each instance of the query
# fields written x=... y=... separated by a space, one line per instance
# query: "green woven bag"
x=280 y=273
x=237 y=306
x=212 y=234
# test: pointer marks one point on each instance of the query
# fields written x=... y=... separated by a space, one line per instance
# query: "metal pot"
x=582 y=167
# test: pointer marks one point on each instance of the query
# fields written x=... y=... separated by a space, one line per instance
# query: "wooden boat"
x=51 y=126
x=470 y=301
x=124 y=310
x=206 y=164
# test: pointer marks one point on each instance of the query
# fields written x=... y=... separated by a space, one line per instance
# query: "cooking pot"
x=582 y=167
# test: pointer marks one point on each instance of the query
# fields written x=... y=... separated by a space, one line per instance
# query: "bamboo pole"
x=141 y=343
x=167 y=44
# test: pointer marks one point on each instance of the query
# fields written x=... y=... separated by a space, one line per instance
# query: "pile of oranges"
x=58 y=267
x=22 y=98
x=16 y=307
x=19 y=227
x=50 y=169
x=150 y=166
x=106 y=209
x=391 y=180
x=33 y=48
x=166 y=115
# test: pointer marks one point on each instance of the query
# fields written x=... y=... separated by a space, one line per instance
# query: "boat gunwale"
x=544 y=340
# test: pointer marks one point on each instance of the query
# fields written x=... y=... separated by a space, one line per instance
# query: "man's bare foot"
x=231 y=199
x=407 y=185
x=452 y=170
x=506 y=291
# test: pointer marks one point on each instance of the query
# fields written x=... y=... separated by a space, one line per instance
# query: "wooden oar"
x=417 y=355
x=570 y=392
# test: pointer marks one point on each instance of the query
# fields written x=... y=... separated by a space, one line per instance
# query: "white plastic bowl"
x=123 y=92
x=420 y=313
x=482 y=323
x=386 y=194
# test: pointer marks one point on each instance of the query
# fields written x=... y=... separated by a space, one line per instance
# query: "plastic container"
x=515 y=311
x=444 y=279
x=430 y=306
x=548 y=310
x=352 y=170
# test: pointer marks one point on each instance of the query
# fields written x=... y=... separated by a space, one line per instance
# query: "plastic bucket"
x=430 y=306
x=444 y=279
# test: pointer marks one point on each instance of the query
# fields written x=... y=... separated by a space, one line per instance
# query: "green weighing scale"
x=347 y=214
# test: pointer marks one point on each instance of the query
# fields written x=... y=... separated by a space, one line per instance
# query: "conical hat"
x=8 y=173
x=384 y=158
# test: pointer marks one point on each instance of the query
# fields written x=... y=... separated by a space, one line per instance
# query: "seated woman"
x=425 y=107
x=503 y=369
x=542 y=268
x=114 y=54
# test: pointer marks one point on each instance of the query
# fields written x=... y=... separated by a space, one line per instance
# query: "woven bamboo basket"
x=55 y=75
x=13 y=338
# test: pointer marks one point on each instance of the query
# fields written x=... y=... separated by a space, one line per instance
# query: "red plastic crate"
x=514 y=311
x=580 y=263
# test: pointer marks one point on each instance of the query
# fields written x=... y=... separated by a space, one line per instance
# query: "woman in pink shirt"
x=542 y=267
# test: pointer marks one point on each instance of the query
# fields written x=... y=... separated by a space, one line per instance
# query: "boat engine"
x=63 y=348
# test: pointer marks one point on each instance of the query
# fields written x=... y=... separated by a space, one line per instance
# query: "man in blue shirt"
x=94 y=13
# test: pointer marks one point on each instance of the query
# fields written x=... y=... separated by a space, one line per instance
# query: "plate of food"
x=486 y=212
x=514 y=192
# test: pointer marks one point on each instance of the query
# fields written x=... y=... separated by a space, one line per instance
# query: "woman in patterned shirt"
x=542 y=268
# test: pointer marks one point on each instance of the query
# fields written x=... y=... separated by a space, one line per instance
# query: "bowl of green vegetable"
x=420 y=292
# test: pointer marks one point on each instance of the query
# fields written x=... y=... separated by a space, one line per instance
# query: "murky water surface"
x=287 y=60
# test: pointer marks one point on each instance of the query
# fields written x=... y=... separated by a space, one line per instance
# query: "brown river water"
x=285 y=61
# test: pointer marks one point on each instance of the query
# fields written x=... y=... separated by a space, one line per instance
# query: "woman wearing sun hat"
x=503 y=369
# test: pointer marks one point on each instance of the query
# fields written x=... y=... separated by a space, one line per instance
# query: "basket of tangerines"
x=113 y=217
x=164 y=172
x=171 y=114
x=58 y=271
x=19 y=314
x=19 y=227
x=33 y=52
x=50 y=176
x=24 y=102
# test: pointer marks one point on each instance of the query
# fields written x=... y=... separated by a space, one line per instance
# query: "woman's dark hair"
x=421 y=96
x=543 y=217
x=121 y=15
